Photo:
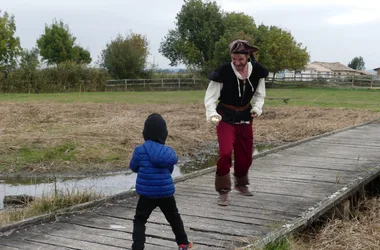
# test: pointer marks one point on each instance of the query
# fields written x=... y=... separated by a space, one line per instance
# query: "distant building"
x=377 y=71
x=323 y=70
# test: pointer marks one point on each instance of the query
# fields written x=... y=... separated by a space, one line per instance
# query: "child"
x=154 y=163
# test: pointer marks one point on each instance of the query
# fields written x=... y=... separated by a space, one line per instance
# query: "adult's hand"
x=254 y=115
x=215 y=120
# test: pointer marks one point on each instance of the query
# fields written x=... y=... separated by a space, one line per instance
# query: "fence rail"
x=365 y=81
x=155 y=84
x=298 y=80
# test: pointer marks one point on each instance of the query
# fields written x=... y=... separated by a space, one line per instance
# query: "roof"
x=334 y=66
x=377 y=68
x=317 y=67
x=366 y=72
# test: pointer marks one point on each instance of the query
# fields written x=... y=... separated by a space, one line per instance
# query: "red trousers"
x=239 y=139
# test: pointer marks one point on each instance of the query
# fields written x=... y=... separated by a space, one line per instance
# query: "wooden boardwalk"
x=292 y=187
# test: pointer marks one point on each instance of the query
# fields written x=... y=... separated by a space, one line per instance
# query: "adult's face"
x=239 y=61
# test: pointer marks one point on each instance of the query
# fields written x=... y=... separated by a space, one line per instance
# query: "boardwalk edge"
x=123 y=195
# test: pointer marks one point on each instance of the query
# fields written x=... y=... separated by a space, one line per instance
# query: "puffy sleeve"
x=213 y=93
x=134 y=163
x=258 y=97
x=211 y=99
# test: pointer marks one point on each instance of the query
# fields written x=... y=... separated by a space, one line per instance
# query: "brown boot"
x=223 y=187
x=241 y=185
x=223 y=199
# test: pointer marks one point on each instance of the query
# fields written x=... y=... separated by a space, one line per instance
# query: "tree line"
x=199 y=41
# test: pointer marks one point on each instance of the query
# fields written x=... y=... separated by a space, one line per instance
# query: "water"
x=106 y=184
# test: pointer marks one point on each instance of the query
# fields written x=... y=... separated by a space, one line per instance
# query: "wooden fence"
x=298 y=80
x=356 y=81
x=156 y=84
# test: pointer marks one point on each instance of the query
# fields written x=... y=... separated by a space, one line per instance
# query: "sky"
x=332 y=30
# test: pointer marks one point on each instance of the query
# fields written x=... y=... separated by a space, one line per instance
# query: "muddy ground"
x=91 y=137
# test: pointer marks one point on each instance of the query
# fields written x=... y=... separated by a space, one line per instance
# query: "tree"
x=357 y=63
x=81 y=56
x=29 y=64
x=279 y=50
x=203 y=33
x=57 y=45
x=236 y=26
x=10 y=46
x=29 y=59
x=125 y=57
x=198 y=27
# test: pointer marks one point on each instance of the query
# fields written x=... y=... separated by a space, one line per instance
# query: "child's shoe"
x=185 y=247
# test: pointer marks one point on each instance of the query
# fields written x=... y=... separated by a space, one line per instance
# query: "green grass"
x=311 y=97
x=327 y=97
x=64 y=152
x=47 y=204
x=280 y=244
x=36 y=158
x=110 y=97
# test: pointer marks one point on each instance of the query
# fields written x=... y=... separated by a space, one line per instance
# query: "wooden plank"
x=297 y=160
x=22 y=243
x=260 y=185
x=207 y=185
x=233 y=211
x=255 y=206
x=345 y=143
x=259 y=200
x=220 y=225
x=160 y=234
x=5 y=246
x=327 y=177
x=269 y=188
x=190 y=212
x=62 y=241
x=310 y=166
x=323 y=150
x=85 y=234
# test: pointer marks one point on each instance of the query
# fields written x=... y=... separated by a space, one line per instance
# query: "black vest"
x=229 y=94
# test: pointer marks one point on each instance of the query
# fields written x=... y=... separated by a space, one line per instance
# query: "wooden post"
x=162 y=83
x=125 y=84
x=371 y=81
x=179 y=83
x=344 y=210
x=353 y=80
x=144 y=82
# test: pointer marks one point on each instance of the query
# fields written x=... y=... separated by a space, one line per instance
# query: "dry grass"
x=101 y=136
x=287 y=124
x=46 y=204
x=362 y=232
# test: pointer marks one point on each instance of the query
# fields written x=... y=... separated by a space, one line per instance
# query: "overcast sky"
x=332 y=30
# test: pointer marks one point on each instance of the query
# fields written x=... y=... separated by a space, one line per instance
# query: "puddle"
x=105 y=184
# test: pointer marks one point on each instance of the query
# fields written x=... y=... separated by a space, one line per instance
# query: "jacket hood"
x=155 y=129
x=159 y=154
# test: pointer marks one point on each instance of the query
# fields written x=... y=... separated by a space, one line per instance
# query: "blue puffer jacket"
x=154 y=162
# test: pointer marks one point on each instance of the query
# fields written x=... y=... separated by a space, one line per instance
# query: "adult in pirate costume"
x=234 y=97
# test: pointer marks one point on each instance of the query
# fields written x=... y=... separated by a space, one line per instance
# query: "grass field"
x=328 y=97
x=311 y=97
x=83 y=132
x=88 y=132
